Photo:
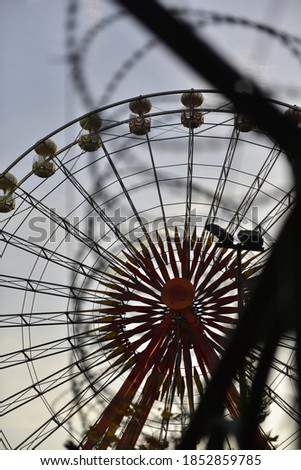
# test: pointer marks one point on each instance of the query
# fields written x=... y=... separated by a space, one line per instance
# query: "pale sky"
x=39 y=93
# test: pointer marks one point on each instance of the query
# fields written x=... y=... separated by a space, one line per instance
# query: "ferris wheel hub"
x=178 y=293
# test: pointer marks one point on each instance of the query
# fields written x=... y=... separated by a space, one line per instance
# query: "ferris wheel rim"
x=39 y=282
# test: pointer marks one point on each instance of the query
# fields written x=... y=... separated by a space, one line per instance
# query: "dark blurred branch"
x=266 y=311
x=197 y=53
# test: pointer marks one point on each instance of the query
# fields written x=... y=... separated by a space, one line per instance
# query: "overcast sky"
x=40 y=91
x=37 y=93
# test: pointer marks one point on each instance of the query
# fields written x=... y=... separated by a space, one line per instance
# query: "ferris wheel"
x=128 y=252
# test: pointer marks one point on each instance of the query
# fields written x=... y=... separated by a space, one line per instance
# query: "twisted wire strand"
x=77 y=50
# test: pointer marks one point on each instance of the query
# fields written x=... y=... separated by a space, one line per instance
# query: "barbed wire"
x=77 y=50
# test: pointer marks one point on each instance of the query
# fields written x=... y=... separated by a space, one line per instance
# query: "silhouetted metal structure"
x=144 y=326
x=266 y=317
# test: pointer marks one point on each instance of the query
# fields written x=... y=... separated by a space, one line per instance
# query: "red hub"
x=178 y=293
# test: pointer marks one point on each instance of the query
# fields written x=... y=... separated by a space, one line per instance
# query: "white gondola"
x=192 y=117
x=43 y=165
x=140 y=124
x=8 y=184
